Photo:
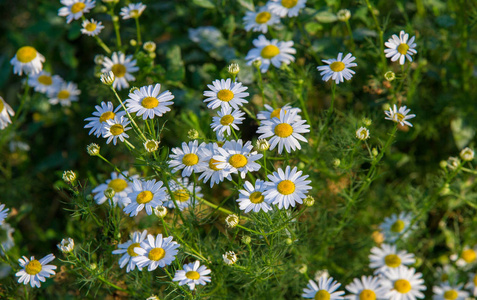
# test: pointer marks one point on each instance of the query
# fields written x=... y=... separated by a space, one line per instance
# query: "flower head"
x=271 y=52
x=184 y=193
x=234 y=157
x=115 y=129
x=362 y=133
x=192 y=274
x=145 y=194
x=233 y=69
x=103 y=113
x=35 y=271
x=260 y=20
x=338 y=69
x=229 y=257
x=467 y=154
x=156 y=252
x=343 y=15
x=151 y=145
x=226 y=120
x=400 y=47
x=252 y=198
x=186 y=158
x=66 y=93
x=286 y=188
x=388 y=257
x=5 y=112
x=122 y=66
x=209 y=166
x=93 y=149
x=325 y=289
x=403 y=283
x=91 y=27
x=66 y=245
x=74 y=9
x=148 y=103
x=232 y=220
x=399 y=116
x=160 y=211
x=69 y=176
x=366 y=288
x=284 y=8
x=445 y=291
x=149 y=46
x=44 y=82
x=108 y=78
x=397 y=226
x=133 y=10
x=127 y=250
x=27 y=60
x=226 y=94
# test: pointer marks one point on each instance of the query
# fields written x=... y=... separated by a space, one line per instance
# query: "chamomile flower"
x=208 y=165
x=44 y=82
x=284 y=131
x=27 y=60
x=448 y=292
x=5 y=112
x=229 y=258
x=387 y=257
x=252 y=197
x=271 y=52
x=115 y=129
x=122 y=66
x=403 y=283
x=467 y=256
x=120 y=185
x=362 y=133
x=285 y=8
x=186 y=158
x=396 y=227
x=35 y=271
x=133 y=10
x=156 y=252
x=6 y=237
x=102 y=114
x=147 y=102
x=325 y=289
x=399 y=116
x=271 y=112
x=127 y=249
x=183 y=192
x=225 y=93
x=226 y=119
x=260 y=20
x=192 y=274
x=472 y=284
x=286 y=188
x=66 y=93
x=338 y=69
x=66 y=245
x=234 y=157
x=400 y=47
x=145 y=194
x=366 y=288
x=3 y=213
x=91 y=27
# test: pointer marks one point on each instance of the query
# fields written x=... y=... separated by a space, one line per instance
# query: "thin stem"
x=138 y=130
x=381 y=35
x=138 y=30
x=353 y=45
x=328 y=115
x=115 y=168
x=302 y=103
x=102 y=44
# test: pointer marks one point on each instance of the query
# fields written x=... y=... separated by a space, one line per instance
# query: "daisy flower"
x=145 y=194
x=271 y=52
x=325 y=289
x=403 y=283
x=234 y=157
x=65 y=94
x=400 y=47
x=229 y=258
x=283 y=8
x=252 y=197
x=186 y=158
x=35 y=271
x=121 y=187
x=103 y=113
x=368 y=288
x=147 y=102
x=74 y=9
x=448 y=292
x=127 y=249
x=387 y=257
x=472 y=284
x=44 y=82
x=27 y=60
x=225 y=93
x=133 y=10
x=467 y=256
x=66 y=245
x=399 y=116
x=192 y=274
x=260 y=20
x=271 y=112
x=6 y=240
x=362 y=133
x=284 y=131
x=91 y=27
x=396 y=226
x=286 y=188
x=208 y=165
x=338 y=69
x=121 y=65
x=3 y=213
x=226 y=119
x=156 y=252
x=183 y=192
x=115 y=129
x=5 y=112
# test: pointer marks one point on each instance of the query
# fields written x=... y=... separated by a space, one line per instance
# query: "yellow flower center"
x=276 y=113
x=106 y=116
x=283 y=130
x=367 y=295
x=77 y=7
x=475 y=280
x=322 y=295
x=193 y=275
x=451 y=295
x=151 y=145
x=213 y=164
x=290 y=4
x=263 y=17
x=149 y=102
x=227 y=120
x=286 y=187
x=398 y=226
x=118 y=185
x=116 y=129
x=337 y=66
x=392 y=260
x=402 y=286
x=134 y=13
x=131 y=249
x=45 y=79
x=156 y=254
x=90 y=27
x=26 y=54
x=144 y=197
x=190 y=159
x=469 y=255
x=225 y=95
x=402 y=48
x=63 y=94
x=269 y=51
x=1 y=105
x=33 y=267
x=238 y=161
x=181 y=195
x=119 y=70
x=256 y=197
x=400 y=117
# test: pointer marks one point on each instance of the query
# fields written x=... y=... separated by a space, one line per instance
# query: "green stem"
x=381 y=36
x=302 y=104
x=138 y=30
x=138 y=130
x=102 y=44
x=353 y=45
x=115 y=168
x=328 y=115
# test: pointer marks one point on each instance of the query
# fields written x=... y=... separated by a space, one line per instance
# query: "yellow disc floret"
x=276 y=113
x=402 y=48
x=469 y=255
x=263 y=17
x=337 y=66
x=150 y=102
x=398 y=226
x=227 y=120
x=392 y=260
x=286 y=187
x=402 y=286
x=269 y=51
x=77 y=7
x=63 y=94
x=190 y=159
x=106 y=116
x=116 y=129
x=238 y=161
x=131 y=249
x=156 y=254
x=26 y=54
x=45 y=80
x=90 y=27
x=256 y=197
x=213 y=164
x=451 y=295
x=322 y=295
x=181 y=195
x=118 y=184
x=367 y=295
x=283 y=130
x=225 y=95
x=289 y=4
x=119 y=70
x=33 y=267
x=144 y=197
x=194 y=275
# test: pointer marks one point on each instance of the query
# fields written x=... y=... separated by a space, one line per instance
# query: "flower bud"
x=69 y=176
x=108 y=78
x=257 y=63
x=109 y=193
x=151 y=145
x=229 y=257
x=149 y=46
x=367 y=121
x=193 y=134
x=467 y=154
x=390 y=76
x=309 y=201
x=160 y=211
x=133 y=42
x=234 y=69
x=303 y=269
x=443 y=164
x=343 y=15
x=262 y=145
x=66 y=245
x=246 y=239
x=92 y=149
x=362 y=133
x=374 y=152
x=336 y=162
x=232 y=220
x=98 y=59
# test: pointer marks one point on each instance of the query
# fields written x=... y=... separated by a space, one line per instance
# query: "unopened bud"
x=151 y=145
x=133 y=42
x=390 y=76
x=257 y=63
x=149 y=46
x=234 y=69
x=66 y=245
x=109 y=193
x=336 y=162
x=262 y=145
x=343 y=15
x=69 y=176
x=160 y=211
x=193 y=134
x=108 y=78
x=467 y=154
x=309 y=201
x=92 y=149
x=367 y=121
x=232 y=220
x=246 y=239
